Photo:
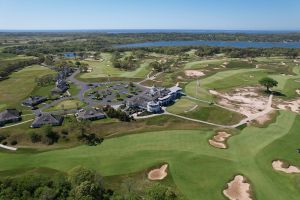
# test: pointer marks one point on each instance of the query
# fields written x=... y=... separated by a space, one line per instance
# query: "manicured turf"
x=67 y=104
x=205 y=112
x=224 y=80
x=20 y=85
x=104 y=68
x=199 y=170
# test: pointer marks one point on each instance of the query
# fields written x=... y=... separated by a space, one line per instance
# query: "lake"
x=239 y=44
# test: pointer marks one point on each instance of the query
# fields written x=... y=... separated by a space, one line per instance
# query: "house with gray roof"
x=90 y=114
x=47 y=119
x=61 y=87
x=34 y=101
x=10 y=116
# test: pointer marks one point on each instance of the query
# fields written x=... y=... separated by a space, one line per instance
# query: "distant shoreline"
x=195 y=31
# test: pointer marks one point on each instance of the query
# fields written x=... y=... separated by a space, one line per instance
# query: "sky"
x=150 y=14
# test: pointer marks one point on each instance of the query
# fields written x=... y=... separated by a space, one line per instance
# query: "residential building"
x=47 y=119
x=10 y=116
x=34 y=101
x=90 y=114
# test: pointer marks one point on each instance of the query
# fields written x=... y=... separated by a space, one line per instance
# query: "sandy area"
x=263 y=119
x=219 y=139
x=290 y=105
x=245 y=100
x=298 y=92
x=158 y=174
x=219 y=145
x=194 y=73
x=221 y=136
x=238 y=189
x=280 y=166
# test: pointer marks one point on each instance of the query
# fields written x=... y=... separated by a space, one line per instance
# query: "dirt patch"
x=194 y=73
x=264 y=119
x=158 y=174
x=219 y=140
x=245 y=100
x=238 y=189
x=279 y=165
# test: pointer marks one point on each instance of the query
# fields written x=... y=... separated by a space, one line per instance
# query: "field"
x=20 y=85
x=67 y=105
x=104 y=69
x=197 y=174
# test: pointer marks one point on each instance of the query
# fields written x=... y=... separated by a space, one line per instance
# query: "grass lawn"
x=203 y=63
x=20 y=85
x=224 y=80
x=67 y=104
x=205 y=112
x=201 y=172
x=104 y=69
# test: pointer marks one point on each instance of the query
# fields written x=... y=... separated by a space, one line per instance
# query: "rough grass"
x=201 y=172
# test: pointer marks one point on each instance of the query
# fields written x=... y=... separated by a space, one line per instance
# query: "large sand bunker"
x=219 y=140
x=245 y=100
x=194 y=73
x=284 y=167
x=238 y=189
x=158 y=174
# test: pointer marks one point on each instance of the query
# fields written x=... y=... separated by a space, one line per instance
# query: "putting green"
x=199 y=170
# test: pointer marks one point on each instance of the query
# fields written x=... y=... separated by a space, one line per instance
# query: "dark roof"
x=34 y=100
x=90 y=113
x=47 y=119
x=10 y=114
x=61 y=86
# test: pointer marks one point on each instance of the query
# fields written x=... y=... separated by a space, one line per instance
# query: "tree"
x=268 y=83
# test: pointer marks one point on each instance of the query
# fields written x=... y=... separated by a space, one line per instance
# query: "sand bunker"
x=219 y=140
x=290 y=105
x=238 y=189
x=158 y=174
x=194 y=73
x=245 y=100
x=283 y=167
x=298 y=92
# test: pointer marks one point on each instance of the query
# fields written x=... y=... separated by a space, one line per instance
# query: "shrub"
x=14 y=142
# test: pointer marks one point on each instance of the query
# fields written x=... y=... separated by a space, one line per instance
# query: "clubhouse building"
x=153 y=100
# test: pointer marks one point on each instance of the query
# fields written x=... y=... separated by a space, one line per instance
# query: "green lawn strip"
x=67 y=105
x=205 y=112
